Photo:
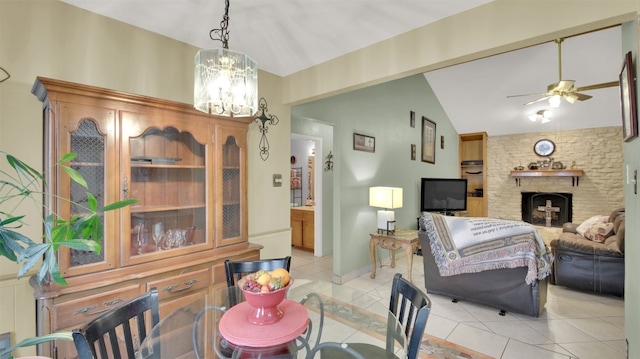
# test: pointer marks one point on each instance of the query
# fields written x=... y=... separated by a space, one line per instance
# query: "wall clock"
x=544 y=147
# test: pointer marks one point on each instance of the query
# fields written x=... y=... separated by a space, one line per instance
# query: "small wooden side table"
x=406 y=239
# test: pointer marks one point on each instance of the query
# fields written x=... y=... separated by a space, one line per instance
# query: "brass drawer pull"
x=89 y=311
x=187 y=285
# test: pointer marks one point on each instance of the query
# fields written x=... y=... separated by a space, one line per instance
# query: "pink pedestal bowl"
x=265 y=305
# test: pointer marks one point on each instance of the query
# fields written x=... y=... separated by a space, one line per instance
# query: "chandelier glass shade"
x=225 y=83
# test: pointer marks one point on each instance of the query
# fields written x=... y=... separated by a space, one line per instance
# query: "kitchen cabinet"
x=473 y=166
x=302 y=227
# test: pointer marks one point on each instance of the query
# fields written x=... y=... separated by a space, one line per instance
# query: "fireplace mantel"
x=574 y=174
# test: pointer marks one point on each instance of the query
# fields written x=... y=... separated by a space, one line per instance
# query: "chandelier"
x=226 y=82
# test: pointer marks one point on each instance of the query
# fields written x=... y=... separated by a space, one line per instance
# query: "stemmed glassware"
x=158 y=233
x=140 y=238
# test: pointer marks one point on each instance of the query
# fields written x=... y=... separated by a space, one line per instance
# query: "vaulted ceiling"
x=287 y=36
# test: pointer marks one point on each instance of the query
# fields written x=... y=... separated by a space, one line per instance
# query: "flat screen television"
x=443 y=195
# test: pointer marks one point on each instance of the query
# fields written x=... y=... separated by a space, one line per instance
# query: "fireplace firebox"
x=551 y=209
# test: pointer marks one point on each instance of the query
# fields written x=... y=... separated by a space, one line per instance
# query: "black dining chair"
x=109 y=329
x=411 y=307
x=235 y=270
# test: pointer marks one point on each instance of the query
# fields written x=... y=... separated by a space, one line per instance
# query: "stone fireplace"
x=550 y=209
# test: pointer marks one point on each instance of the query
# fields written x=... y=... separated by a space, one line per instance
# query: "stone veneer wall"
x=597 y=151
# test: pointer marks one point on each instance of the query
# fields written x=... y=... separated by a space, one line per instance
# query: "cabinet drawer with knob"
x=181 y=284
x=77 y=312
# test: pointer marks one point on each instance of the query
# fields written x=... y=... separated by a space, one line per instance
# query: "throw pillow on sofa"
x=584 y=226
x=599 y=232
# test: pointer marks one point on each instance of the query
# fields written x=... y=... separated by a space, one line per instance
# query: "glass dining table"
x=314 y=312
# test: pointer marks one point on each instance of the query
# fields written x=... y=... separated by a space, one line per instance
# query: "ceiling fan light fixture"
x=543 y=115
x=554 y=101
x=571 y=98
x=565 y=88
x=225 y=81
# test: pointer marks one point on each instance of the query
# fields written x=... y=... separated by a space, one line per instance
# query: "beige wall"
x=597 y=151
x=52 y=39
x=269 y=205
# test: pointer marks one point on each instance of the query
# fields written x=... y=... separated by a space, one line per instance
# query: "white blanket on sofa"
x=474 y=244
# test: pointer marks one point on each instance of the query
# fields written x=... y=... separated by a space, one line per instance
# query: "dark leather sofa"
x=504 y=289
x=588 y=265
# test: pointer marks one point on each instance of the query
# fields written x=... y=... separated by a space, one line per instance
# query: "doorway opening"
x=306 y=191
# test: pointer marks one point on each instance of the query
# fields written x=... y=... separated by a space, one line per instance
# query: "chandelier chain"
x=222 y=34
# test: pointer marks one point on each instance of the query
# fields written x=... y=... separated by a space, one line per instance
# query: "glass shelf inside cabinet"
x=168 y=177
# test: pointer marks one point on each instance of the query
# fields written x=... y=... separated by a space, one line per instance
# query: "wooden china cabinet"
x=188 y=171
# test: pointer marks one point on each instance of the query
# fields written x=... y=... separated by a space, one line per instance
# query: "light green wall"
x=632 y=207
x=381 y=111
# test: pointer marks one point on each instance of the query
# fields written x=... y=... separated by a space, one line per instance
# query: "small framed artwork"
x=428 y=140
x=412 y=119
x=364 y=143
x=413 y=152
x=628 y=99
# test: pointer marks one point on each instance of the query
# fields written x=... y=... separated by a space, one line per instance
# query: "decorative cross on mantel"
x=548 y=209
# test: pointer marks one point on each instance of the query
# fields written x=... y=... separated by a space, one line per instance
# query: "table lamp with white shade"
x=388 y=198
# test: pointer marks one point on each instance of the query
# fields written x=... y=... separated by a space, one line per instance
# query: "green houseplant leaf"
x=22 y=185
x=79 y=232
x=37 y=340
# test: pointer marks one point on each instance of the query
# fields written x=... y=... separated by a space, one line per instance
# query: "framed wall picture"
x=364 y=143
x=428 y=140
x=412 y=119
x=628 y=99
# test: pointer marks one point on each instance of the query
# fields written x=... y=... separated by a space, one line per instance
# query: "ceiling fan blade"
x=581 y=96
x=599 y=86
x=538 y=100
x=561 y=86
x=572 y=97
x=529 y=94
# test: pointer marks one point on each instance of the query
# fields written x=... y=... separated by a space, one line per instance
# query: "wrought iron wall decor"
x=328 y=164
x=264 y=120
x=5 y=76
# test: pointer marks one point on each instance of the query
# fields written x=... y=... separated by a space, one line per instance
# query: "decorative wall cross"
x=264 y=119
x=328 y=164
x=548 y=209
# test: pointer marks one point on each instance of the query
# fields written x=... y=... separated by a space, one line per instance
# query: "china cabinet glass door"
x=167 y=173
x=88 y=132
x=232 y=211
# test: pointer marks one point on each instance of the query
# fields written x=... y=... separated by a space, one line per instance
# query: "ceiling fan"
x=565 y=89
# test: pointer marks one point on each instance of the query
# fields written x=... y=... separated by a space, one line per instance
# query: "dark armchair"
x=595 y=265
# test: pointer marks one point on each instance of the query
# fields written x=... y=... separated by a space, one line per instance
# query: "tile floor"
x=573 y=325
